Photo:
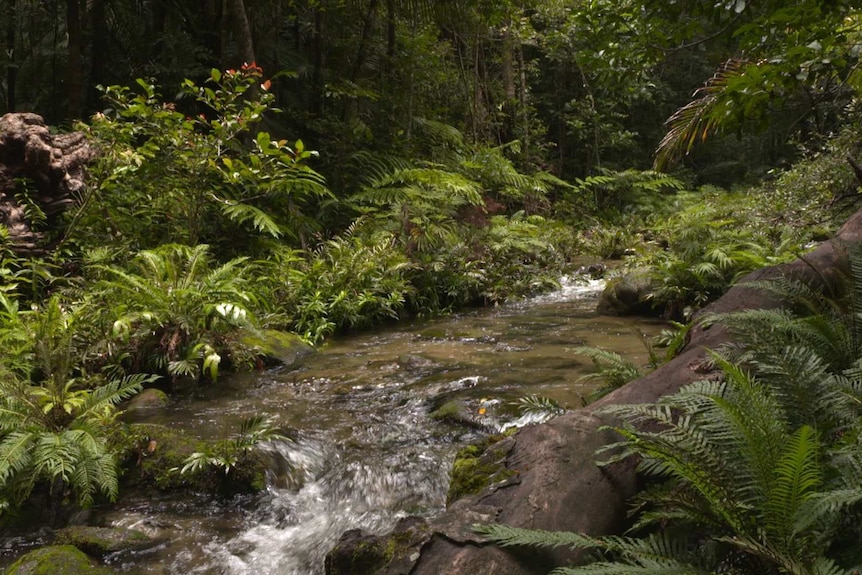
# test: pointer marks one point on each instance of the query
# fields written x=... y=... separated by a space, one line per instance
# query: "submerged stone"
x=102 y=541
x=150 y=398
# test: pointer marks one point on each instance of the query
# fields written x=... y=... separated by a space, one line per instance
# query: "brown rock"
x=51 y=164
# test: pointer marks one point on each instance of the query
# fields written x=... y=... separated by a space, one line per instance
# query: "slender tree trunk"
x=75 y=69
x=367 y=31
x=100 y=48
x=242 y=30
x=11 y=65
x=522 y=94
x=390 y=31
x=319 y=60
x=224 y=35
x=508 y=77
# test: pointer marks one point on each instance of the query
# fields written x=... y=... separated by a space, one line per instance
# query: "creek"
x=365 y=450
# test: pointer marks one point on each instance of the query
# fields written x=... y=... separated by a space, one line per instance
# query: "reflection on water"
x=365 y=451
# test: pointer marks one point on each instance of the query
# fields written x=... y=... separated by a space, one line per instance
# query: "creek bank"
x=554 y=483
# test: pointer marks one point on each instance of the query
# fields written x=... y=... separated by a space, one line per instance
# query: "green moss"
x=100 y=541
x=479 y=465
x=56 y=560
x=449 y=411
x=155 y=454
x=276 y=347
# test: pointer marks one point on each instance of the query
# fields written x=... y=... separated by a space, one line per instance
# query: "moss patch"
x=101 y=541
x=276 y=347
x=480 y=465
x=56 y=560
x=360 y=553
x=155 y=454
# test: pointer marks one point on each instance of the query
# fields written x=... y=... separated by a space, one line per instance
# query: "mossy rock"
x=150 y=398
x=102 y=541
x=57 y=560
x=628 y=294
x=479 y=466
x=155 y=454
x=361 y=553
x=276 y=347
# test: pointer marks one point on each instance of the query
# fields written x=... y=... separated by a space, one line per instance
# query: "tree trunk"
x=74 y=69
x=367 y=30
x=522 y=93
x=11 y=66
x=390 y=31
x=507 y=72
x=318 y=61
x=242 y=30
x=100 y=48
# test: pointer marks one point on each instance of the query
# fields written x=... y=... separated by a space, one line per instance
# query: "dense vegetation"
x=322 y=166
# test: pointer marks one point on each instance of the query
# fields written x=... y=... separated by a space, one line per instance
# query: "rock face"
x=52 y=165
x=554 y=483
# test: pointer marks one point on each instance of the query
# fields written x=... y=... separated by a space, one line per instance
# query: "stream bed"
x=365 y=450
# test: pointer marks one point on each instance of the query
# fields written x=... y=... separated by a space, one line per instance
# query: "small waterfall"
x=328 y=494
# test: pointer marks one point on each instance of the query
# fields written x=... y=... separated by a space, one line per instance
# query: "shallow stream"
x=365 y=449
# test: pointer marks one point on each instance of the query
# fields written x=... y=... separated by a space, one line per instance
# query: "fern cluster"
x=56 y=420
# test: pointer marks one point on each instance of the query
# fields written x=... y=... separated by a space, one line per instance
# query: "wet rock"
x=414 y=361
x=277 y=347
x=56 y=560
x=52 y=166
x=478 y=466
x=360 y=552
x=559 y=487
x=155 y=456
x=101 y=541
x=594 y=271
x=148 y=399
x=627 y=294
x=458 y=412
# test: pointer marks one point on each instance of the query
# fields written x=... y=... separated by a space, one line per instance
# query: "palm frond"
x=697 y=119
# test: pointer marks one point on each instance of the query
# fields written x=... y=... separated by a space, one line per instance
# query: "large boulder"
x=553 y=482
x=52 y=165
x=627 y=294
x=277 y=347
x=56 y=560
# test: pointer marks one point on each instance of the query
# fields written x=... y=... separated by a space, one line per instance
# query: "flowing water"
x=365 y=450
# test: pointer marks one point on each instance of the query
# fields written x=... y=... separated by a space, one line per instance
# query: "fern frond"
x=509 y=536
x=797 y=476
x=261 y=221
